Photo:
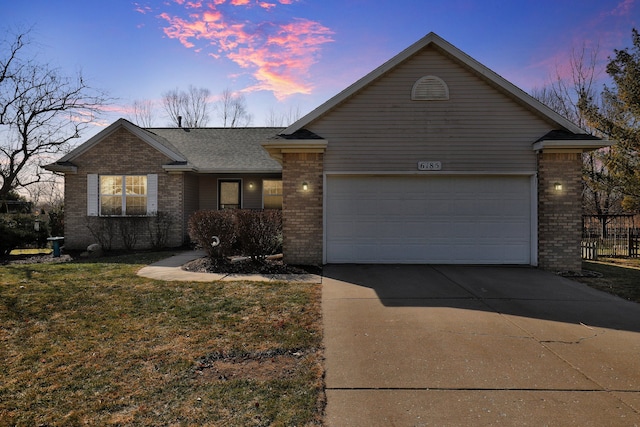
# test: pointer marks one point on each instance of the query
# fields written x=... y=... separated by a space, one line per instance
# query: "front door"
x=229 y=194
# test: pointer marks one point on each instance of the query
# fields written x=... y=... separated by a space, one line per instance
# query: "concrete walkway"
x=170 y=269
x=476 y=346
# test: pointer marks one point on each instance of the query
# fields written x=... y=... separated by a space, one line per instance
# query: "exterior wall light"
x=305 y=186
x=557 y=186
x=251 y=185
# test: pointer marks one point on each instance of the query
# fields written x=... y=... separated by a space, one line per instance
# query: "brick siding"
x=302 y=210
x=559 y=211
x=120 y=153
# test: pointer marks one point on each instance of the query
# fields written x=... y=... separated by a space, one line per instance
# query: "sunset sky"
x=289 y=55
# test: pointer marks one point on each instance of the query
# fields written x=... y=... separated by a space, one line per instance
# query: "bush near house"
x=259 y=233
x=131 y=232
x=21 y=231
x=240 y=232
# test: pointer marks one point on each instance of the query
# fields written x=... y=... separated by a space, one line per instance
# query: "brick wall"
x=302 y=210
x=120 y=153
x=559 y=211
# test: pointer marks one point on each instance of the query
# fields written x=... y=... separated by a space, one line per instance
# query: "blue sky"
x=295 y=54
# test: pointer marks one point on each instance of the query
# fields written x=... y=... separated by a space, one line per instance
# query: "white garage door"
x=449 y=220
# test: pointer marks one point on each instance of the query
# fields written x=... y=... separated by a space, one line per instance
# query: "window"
x=272 y=194
x=122 y=195
x=229 y=194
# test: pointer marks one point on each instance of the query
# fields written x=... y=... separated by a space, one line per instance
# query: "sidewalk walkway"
x=170 y=269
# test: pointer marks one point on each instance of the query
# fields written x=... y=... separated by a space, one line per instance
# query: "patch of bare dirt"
x=259 y=366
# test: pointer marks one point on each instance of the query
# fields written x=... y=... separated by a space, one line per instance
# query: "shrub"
x=259 y=233
x=159 y=227
x=205 y=224
x=241 y=232
x=56 y=221
x=103 y=230
x=18 y=231
x=131 y=229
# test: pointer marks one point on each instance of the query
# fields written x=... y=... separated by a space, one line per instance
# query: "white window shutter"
x=152 y=194
x=93 y=197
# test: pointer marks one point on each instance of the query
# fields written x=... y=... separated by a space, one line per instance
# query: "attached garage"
x=432 y=158
x=429 y=219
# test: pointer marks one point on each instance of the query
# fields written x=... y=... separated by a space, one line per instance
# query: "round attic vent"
x=430 y=88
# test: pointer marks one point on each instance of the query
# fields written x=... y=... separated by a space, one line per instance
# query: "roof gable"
x=162 y=146
x=206 y=150
x=434 y=40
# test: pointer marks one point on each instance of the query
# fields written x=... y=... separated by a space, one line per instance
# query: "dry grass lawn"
x=91 y=343
x=619 y=276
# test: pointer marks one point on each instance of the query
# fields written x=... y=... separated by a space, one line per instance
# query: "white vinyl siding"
x=478 y=129
x=418 y=219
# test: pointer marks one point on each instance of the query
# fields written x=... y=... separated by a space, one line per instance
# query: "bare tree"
x=563 y=95
x=48 y=193
x=41 y=112
x=142 y=113
x=187 y=108
x=275 y=119
x=196 y=112
x=232 y=110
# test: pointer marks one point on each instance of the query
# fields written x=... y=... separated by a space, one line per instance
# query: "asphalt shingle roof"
x=221 y=149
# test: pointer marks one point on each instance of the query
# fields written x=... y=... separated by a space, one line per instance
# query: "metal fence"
x=610 y=236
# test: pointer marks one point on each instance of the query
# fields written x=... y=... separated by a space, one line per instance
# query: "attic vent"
x=430 y=88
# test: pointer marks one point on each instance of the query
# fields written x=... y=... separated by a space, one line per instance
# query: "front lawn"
x=619 y=276
x=91 y=343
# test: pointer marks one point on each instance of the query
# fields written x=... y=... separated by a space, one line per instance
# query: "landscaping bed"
x=247 y=266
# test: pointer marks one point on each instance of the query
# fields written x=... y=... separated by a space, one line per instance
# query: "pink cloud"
x=603 y=32
x=142 y=9
x=277 y=55
x=623 y=9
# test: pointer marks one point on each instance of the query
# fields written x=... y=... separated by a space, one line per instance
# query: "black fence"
x=610 y=236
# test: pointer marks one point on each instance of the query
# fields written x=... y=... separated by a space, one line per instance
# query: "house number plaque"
x=429 y=166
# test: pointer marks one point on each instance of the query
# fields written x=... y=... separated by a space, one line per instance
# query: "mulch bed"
x=36 y=259
x=208 y=265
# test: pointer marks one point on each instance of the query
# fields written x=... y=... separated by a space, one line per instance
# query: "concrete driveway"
x=471 y=346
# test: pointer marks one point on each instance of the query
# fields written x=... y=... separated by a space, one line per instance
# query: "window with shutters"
x=430 y=88
x=123 y=195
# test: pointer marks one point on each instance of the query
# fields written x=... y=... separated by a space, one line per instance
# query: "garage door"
x=449 y=220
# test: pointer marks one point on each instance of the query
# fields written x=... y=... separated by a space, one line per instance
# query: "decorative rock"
x=94 y=251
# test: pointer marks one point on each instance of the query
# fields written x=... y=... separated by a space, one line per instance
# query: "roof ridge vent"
x=430 y=88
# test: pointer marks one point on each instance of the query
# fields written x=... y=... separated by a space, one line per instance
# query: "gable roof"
x=433 y=39
x=206 y=150
x=161 y=145
x=225 y=150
